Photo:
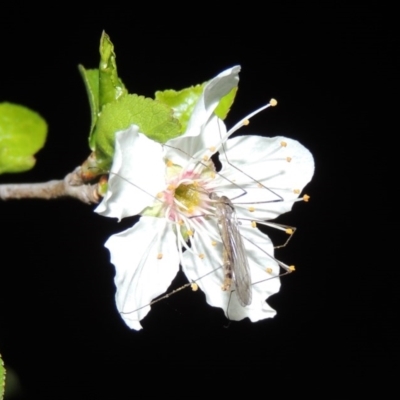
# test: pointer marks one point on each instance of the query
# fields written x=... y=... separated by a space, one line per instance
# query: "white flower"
x=170 y=186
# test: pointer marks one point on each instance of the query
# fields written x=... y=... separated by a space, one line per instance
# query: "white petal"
x=283 y=169
x=193 y=141
x=136 y=176
x=141 y=275
x=208 y=274
x=260 y=253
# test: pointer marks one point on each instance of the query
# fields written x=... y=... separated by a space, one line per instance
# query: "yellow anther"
x=253 y=224
x=269 y=270
x=283 y=144
x=160 y=195
x=251 y=209
x=171 y=187
x=189 y=210
x=189 y=232
x=288 y=159
x=306 y=197
x=292 y=268
x=159 y=256
x=213 y=243
x=212 y=149
x=212 y=175
x=289 y=231
x=206 y=158
x=180 y=222
x=273 y=102
x=246 y=122
x=296 y=191
x=169 y=163
x=201 y=256
x=194 y=286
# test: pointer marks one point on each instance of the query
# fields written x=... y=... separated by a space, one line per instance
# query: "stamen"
x=169 y=163
x=213 y=243
x=289 y=231
x=288 y=159
x=180 y=205
x=202 y=231
x=240 y=123
x=305 y=198
x=296 y=191
x=206 y=158
x=201 y=256
x=160 y=234
x=194 y=286
x=246 y=122
x=292 y=268
x=182 y=243
x=273 y=102
x=189 y=232
x=253 y=224
x=283 y=144
x=268 y=270
x=212 y=149
x=251 y=209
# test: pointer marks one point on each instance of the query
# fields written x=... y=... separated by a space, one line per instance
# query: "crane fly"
x=235 y=263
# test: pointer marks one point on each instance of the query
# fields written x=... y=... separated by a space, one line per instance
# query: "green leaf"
x=103 y=86
x=111 y=87
x=2 y=378
x=154 y=119
x=91 y=79
x=22 y=133
x=225 y=104
x=182 y=102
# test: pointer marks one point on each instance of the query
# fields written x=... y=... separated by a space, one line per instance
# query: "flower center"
x=188 y=195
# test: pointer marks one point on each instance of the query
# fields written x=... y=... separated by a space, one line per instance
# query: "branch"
x=71 y=186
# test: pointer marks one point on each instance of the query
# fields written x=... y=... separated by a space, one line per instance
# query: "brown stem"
x=71 y=186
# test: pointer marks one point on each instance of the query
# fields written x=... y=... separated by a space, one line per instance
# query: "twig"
x=71 y=186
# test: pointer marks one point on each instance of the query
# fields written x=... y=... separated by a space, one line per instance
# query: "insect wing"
x=235 y=250
x=240 y=264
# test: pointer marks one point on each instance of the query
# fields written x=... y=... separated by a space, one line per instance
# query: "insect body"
x=235 y=262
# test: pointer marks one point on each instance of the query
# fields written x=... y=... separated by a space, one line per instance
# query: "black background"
x=335 y=79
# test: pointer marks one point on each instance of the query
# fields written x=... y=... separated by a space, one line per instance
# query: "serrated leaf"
x=111 y=87
x=154 y=119
x=91 y=80
x=182 y=102
x=225 y=104
x=22 y=133
x=103 y=85
x=2 y=378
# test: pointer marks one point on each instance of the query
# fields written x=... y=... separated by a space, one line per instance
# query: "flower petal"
x=283 y=166
x=136 y=176
x=208 y=273
x=146 y=260
x=197 y=137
